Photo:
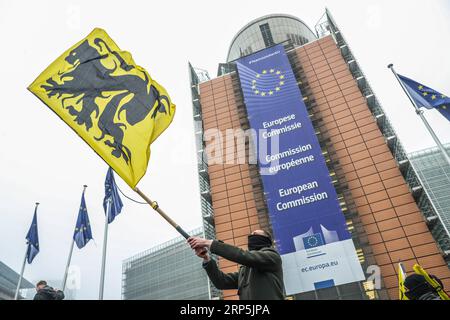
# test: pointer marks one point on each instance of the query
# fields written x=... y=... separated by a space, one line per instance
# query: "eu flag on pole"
x=111 y=195
x=83 y=232
x=33 y=239
x=426 y=97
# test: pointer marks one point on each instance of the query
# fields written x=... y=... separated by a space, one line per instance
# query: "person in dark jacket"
x=45 y=292
x=418 y=288
x=260 y=276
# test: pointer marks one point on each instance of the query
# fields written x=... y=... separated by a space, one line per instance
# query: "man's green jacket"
x=260 y=276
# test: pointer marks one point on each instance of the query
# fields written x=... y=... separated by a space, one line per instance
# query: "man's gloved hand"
x=203 y=253
x=200 y=246
x=197 y=242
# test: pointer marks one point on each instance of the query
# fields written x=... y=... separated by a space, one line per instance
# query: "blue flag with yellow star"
x=83 y=232
x=265 y=84
x=111 y=195
x=33 y=239
x=426 y=97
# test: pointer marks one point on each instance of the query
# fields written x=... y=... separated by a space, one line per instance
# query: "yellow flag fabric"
x=442 y=294
x=109 y=101
x=401 y=281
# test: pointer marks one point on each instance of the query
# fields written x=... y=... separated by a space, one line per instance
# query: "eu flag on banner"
x=312 y=241
x=268 y=85
x=111 y=195
x=426 y=97
x=33 y=239
x=83 y=232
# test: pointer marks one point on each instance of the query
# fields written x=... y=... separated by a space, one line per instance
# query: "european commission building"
x=332 y=181
x=169 y=271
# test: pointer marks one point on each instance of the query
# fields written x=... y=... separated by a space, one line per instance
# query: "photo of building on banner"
x=308 y=224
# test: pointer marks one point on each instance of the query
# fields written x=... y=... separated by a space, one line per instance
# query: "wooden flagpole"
x=156 y=207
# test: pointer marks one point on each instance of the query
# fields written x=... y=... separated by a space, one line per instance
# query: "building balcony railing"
x=206 y=194
x=203 y=170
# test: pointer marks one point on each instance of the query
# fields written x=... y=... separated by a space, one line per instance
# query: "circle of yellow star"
x=271 y=91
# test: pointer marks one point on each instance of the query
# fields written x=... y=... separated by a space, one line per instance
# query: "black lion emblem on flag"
x=89 y=79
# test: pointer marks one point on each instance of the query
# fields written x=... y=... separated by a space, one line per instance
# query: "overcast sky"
x=42 y=160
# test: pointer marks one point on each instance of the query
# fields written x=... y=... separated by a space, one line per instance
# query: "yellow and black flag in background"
x=401 y=282
x=111 y=103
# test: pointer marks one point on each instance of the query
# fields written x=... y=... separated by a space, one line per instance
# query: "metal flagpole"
x=67 y=266
x=16 y=295
x=420 y=114
x=430 y=130
x=66 y=272
x=21 y=275
x=105 y=240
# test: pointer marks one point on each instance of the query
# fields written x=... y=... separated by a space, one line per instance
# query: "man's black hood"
x=257 y=242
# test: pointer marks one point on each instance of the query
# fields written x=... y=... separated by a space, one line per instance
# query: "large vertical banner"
x=308 y=224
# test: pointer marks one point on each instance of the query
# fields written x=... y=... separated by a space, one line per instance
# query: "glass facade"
x=169 y=271
x=434 y=175
x=8 y=283
x=267 y=31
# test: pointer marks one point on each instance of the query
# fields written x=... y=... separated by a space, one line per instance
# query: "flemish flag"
x=401 y=282
x=111 y=103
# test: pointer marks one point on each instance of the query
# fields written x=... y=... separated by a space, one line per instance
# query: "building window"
x=297 y=39
x=266 y=34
